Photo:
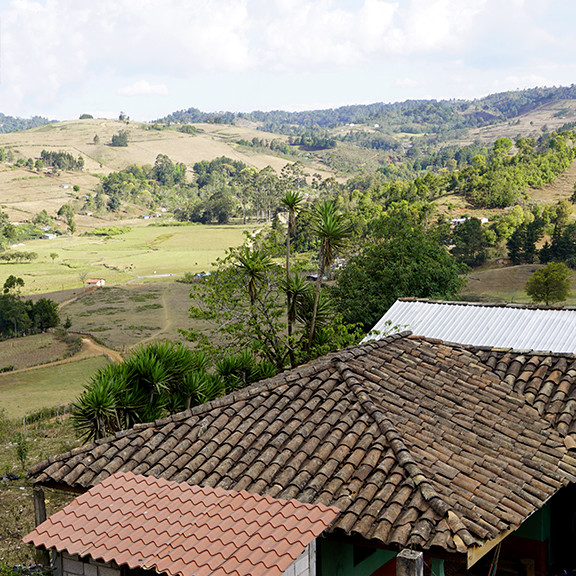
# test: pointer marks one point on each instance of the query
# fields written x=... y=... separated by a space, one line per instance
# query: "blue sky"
x=62 y=58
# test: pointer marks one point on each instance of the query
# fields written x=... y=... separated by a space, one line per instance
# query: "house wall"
x=72 y=565
x=305 y=564
x=337 y=558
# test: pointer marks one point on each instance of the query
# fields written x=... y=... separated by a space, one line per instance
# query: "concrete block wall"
x=305 y=564
x=71 y=565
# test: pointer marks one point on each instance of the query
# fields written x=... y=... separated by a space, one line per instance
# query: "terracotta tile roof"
x=417 y=442
x=145 y=522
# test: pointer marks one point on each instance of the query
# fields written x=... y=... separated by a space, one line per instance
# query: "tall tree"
x=402 y=259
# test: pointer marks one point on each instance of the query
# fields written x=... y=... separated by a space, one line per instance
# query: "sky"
x=148 y=58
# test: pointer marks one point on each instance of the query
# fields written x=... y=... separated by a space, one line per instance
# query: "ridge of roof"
x=515 y=305
x=407 y=461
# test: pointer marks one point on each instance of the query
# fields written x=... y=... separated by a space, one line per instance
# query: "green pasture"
x=145 y=251
x=46 y=387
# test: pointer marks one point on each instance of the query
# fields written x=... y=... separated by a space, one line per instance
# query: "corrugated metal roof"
x=146 y=522
x=497 y=326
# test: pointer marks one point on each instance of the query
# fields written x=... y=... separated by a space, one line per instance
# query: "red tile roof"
x=152 y=523
x=419 y=443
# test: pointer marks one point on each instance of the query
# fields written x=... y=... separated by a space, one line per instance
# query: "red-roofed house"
x=141 y=522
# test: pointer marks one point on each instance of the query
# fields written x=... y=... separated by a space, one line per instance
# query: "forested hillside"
x=12 y=124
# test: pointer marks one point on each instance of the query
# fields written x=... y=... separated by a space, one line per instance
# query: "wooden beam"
x=474 y=554
x=42 y=556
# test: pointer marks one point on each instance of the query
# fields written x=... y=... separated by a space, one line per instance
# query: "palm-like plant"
x=254 y=264
x=332 y=229
x=291 y=200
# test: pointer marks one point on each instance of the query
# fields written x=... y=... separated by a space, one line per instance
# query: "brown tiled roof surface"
x=547 y=382
x=151 y=523
x=418 y=443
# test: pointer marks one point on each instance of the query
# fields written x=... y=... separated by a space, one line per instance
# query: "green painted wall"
x=337 y=559
x=537 y=527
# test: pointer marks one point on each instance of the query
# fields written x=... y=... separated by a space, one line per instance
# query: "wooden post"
x=42 y=556
x=410 y=563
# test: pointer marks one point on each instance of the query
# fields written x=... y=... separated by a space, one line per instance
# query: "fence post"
x=409 y=563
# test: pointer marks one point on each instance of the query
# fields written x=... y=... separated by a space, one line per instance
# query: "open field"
x=505 y=284
x=144 y=251
x=45 y=387
x=124 y=316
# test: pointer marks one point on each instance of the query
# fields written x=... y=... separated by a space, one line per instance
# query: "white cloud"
x=60 y=54
x=143 y=87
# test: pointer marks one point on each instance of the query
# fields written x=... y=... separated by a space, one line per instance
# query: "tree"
x=291 y=200
x=469 y=243
x=120 y=139
x=403 y=259
x=242 y=307
x=86 y=116
x=13 y=284
x=45 y=314
x=549 y=284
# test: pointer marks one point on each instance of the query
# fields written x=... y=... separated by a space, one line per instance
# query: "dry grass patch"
x=32 y=351
x=505 y=284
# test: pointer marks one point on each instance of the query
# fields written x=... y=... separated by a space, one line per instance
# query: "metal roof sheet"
x=516 y=327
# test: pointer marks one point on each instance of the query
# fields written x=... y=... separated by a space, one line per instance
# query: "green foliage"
x=405 y=258
x=108 y=231
x=19 y=256
x=155 y=380
x=19 y=317
x=22 y=446
x=470 y=244
x=12 y=124
x=188 y=129
x=549 y=284
x=120 y=139
x=86 y=116
x=243 y=308
x=61 y=160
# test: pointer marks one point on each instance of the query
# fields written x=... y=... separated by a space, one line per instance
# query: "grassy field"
x=505 y=284
x=45 y=387
x=124 y=316
x=145 y=251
